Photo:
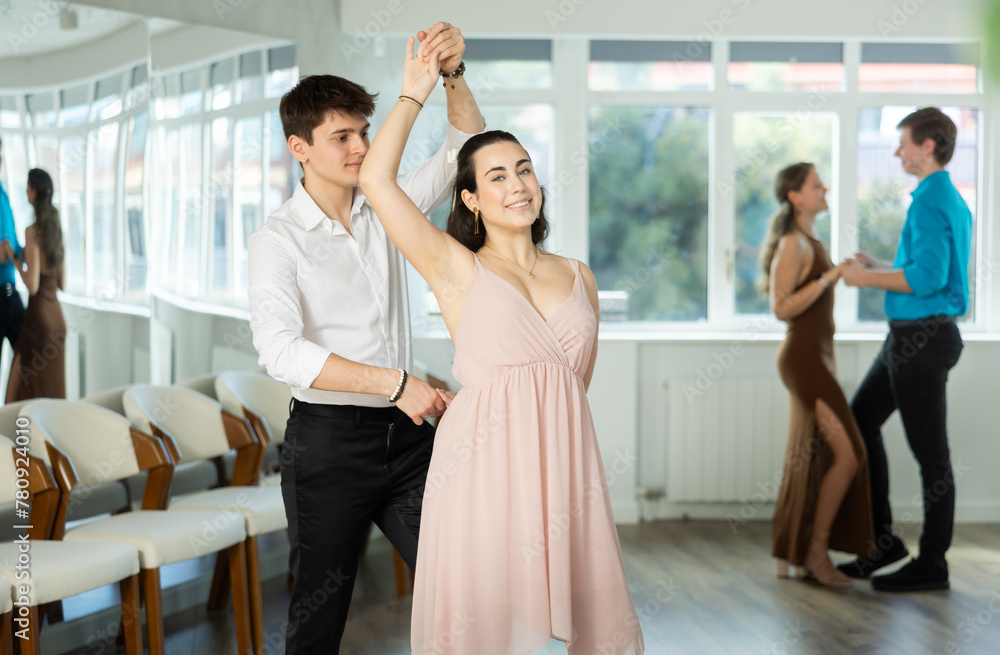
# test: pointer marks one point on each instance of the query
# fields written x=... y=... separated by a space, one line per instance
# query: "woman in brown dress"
x=39 y=368
x=824 y=498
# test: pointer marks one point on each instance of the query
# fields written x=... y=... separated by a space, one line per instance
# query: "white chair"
x=203 y=384
x=261 y=400
x=57 y=569
x=202 y=429
x=104 y=447
x=187 y=477
x=109 y=399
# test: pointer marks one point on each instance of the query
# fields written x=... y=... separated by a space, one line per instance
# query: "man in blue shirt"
x=11 y=308
x=927 y=289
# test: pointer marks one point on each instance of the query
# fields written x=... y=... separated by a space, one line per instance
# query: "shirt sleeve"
x=429 y=184
x=8 y=230
x=276 y=314
x=930 y=250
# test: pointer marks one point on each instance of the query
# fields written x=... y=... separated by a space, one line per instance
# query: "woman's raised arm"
x=430 y=250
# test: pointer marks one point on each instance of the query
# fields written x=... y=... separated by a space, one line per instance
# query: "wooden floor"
x=701 y=589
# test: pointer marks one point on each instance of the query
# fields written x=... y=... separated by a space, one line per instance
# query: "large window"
x=649 y=211
x=763 y=144
x=658 y=158
x=91 y=138
x=224 y=167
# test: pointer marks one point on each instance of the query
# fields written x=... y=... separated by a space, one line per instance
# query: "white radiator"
x=725 y=439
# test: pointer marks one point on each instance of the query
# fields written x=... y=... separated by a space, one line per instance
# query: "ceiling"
x=32 y=27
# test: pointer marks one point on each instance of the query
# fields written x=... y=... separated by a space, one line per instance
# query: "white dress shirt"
x=316 y=289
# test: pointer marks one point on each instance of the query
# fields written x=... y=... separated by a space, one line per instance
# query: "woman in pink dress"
x=517 y=541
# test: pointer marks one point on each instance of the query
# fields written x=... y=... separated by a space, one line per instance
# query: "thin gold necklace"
x=530 y=273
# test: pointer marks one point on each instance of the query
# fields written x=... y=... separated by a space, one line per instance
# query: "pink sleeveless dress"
x=517 y=540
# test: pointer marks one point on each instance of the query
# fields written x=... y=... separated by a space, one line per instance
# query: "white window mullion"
x=722 y=196
x=988 y=239
x=844 y=231
x=570 y=187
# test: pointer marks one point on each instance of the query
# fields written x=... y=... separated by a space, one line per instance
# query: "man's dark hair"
x=932 y=123
x=315 y=97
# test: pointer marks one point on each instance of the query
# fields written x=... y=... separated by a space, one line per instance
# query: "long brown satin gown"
x=808 y=369
x=39 y=368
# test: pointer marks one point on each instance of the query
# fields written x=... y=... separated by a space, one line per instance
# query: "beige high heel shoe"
x=836 y=581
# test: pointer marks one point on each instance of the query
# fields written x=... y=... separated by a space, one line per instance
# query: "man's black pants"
x=343 y=467
x=910 y=374
x=11 y=315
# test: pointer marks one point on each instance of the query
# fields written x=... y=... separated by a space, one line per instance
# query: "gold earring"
x=476 y=212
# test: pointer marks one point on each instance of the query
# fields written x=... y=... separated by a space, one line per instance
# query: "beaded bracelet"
x=458 y=72
x=399 y=387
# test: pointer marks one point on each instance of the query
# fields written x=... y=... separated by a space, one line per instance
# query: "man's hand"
x=447 y=41
x=867 y=261
x=6 y=251
x=853 y=273
x=420 y=400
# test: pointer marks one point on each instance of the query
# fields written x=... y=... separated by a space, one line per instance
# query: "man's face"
x=915 y=158
x=339 y=145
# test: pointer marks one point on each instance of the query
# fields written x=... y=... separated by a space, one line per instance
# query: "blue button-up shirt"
x=7 y=231
x=933 y=253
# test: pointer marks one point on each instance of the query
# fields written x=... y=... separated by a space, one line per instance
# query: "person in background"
x=11 y=307
x=824 y=500
x=39 y=368
x=927 y=289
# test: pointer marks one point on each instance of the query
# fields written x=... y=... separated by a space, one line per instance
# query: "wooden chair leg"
x=32 y=645
x=368 y=537
x=6 y=632
x=218 y=594
x=241 y=601
x=131 y=624
x=400 y=566
x=152 y=594
x=53 y=612
x=256 y=595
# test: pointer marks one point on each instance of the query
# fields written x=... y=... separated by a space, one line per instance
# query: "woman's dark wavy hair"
x=461 y=221
x=46 y=216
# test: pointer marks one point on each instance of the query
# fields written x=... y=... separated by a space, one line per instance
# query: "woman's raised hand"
x=419 y=76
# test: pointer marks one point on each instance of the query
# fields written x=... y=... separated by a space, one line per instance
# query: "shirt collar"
x=931 y=180
x=310 y=215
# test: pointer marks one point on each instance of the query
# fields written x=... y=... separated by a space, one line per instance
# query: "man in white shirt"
x=329 y=314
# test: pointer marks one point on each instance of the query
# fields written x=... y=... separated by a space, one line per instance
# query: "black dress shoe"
x=863 y=567
x=918 y=575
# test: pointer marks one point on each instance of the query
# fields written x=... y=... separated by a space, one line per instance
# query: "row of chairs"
x=85 y=452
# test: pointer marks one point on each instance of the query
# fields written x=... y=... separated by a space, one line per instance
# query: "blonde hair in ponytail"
x=791 y=178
